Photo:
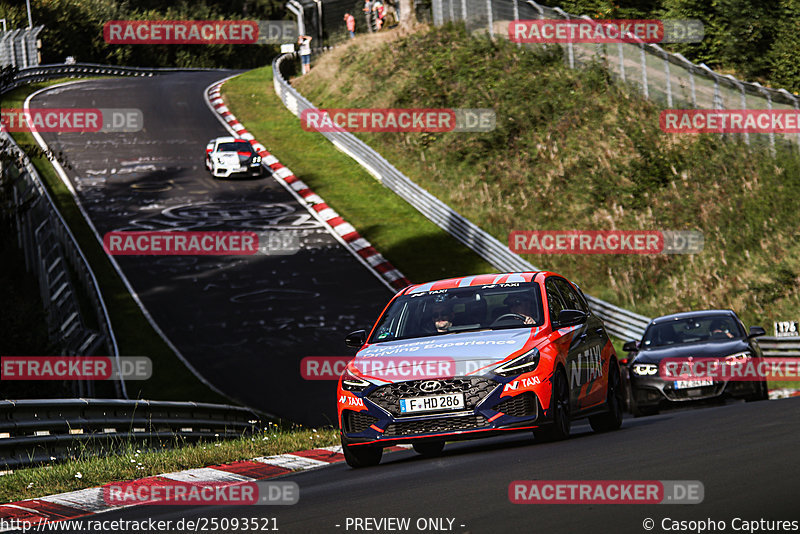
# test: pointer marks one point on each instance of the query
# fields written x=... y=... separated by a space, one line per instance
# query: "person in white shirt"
x=304 y=42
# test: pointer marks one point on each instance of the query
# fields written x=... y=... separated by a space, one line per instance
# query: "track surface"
x=244 y=322
x=746 y=456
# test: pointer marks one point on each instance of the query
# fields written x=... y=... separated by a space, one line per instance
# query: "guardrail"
x=619 y=322
x=44 y=430
x=80 y=70
x=52 y=253
x=780 y=346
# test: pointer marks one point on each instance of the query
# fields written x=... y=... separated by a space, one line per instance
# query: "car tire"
x=612 y=419
x=362 y=456
x=559 y=407
x=429 y=448
x=642 y=411
x=762 y=392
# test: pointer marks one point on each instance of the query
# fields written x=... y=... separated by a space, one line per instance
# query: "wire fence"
x=664 y=77
x=20 y=48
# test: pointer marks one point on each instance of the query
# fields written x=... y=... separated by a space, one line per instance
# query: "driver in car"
x=442 y=315
x=719 y=329
x=520 y=305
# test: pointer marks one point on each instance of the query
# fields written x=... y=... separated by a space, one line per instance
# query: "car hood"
x=463 y=353
x=711 y=349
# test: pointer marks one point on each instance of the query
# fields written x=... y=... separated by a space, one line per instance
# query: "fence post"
x=669 y=80
x=645 y=90
x=570 y=51
x=491 y=21
x=452 y=14
x=464 y=10
x=621 y=62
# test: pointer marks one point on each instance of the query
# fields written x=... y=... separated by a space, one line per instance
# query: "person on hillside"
x=304 y=42
x=350 y=22
x=380 y=11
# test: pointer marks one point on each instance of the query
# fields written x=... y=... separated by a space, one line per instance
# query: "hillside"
x=576 y=150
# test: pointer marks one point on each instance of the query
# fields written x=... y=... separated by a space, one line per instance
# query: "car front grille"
x=430 y=426
x=355 y=422
x=522 y=405
x=475 y=389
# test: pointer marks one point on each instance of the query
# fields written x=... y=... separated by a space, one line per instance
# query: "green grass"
x=573 y=149
x=418 y=248
x=132 y=463
x=171 y=380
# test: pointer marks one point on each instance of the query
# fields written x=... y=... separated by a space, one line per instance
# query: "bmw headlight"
x=645 y=369
x=351 y=382
x=521 y=364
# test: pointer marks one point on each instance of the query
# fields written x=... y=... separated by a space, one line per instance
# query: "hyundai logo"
x=429 y=386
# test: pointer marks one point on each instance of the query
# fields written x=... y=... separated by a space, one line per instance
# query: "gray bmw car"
x=717 y=334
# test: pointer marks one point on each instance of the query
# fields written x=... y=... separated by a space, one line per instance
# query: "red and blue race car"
x=470 y=357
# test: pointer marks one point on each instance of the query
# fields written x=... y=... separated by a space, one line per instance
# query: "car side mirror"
x=356 y=339
x=571 y=318
x=630 y=346
x=756 y=331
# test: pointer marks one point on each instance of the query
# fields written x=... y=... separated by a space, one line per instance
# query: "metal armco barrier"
x=39 y=431
x=80 y=70
x=780 y=346
x=619 y=322
x=53 y=255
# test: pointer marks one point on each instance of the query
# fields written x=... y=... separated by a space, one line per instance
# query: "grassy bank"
x=420 y=249
x=575 y=150
x=133 y=463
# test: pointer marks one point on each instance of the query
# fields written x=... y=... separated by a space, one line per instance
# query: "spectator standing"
x=350 y=21
x=304 y=42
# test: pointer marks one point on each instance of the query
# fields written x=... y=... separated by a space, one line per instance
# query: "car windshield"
x=445 y=311
x=239 y=146
x=692 y=330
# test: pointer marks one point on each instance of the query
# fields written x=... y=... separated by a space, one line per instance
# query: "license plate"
x=453 y=401
x=685 y=384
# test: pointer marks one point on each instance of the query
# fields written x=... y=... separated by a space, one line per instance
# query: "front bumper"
x=653 y=391
x=486 y=413
x=225 y=172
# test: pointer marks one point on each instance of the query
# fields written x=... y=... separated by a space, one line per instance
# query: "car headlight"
x=738 y=358
x=351 y=382
x=645 y=369
x=521 y=364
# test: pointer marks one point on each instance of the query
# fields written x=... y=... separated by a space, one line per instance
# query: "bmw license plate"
x=452 y=401
x=686 y=384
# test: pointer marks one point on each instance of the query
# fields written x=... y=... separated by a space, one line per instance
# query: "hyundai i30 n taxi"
x=476 y=356
x=226 y=156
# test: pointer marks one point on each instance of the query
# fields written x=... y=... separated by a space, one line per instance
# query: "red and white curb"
x=90 y=501
x=341 y=229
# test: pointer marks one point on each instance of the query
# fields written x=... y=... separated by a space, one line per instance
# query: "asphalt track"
x=244 y=322
x=745 y=454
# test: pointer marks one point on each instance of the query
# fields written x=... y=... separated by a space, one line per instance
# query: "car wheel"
x=429 y=448
x=641 y=411
x=559 y=407
x=361 y=456
x=615 y=399
x=762 y=392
